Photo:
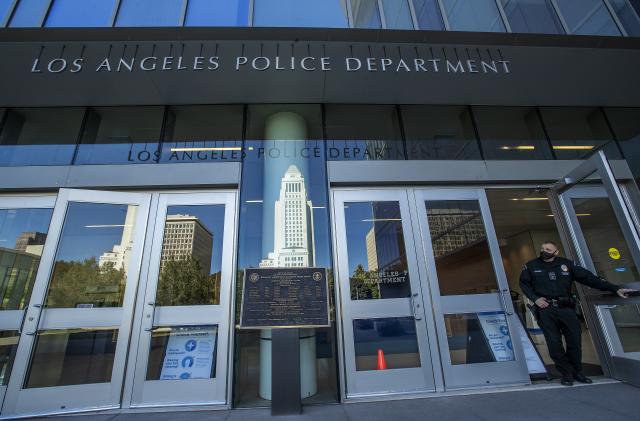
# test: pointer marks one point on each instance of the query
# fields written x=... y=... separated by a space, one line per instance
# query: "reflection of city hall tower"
x=184 y=236
x=293 y=225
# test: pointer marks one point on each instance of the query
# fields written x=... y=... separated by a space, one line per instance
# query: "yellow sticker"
x=614 y=253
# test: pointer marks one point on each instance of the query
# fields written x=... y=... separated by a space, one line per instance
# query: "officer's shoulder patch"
x=564 y=268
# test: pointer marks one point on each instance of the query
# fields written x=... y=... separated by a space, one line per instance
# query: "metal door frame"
x=82 y=397
x=14 y=319
x=136 y=383
x=516 y=371
x=624 y=201
x=425 y=335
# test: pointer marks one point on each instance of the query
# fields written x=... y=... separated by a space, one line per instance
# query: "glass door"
x=475 y=318
x=24 y=224
x=181 y=351
x=601 y=222
x=72 y=349
x=384 y=324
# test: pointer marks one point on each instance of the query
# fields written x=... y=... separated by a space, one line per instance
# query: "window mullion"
x=383 y=19
x=563 y=22
x=183 y=13
x=116 y=9
x=614 y=15
x=414 y=17
x=43 y=18
x=445 y=18
x=505 y=21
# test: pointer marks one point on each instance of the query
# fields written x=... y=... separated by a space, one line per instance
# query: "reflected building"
x=454 y=229
x=31 y=242
x=293 y=239
x=17 y=272
x=184 y=236
x=120 y=255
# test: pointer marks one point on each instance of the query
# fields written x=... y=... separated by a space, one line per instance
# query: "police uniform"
x=553 y=280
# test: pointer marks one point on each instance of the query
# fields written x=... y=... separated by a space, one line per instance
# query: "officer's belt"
x=560 y=302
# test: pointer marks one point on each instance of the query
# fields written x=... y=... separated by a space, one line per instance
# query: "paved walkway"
x=600 y=402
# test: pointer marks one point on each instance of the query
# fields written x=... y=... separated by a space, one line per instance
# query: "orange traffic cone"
x=382 y=363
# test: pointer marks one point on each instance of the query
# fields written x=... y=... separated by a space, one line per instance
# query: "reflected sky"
x=13 y=222
x=90 y=229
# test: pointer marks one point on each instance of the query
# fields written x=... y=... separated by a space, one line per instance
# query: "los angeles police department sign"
x=433 y=62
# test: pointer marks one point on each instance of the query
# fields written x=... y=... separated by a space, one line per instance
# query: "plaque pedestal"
x=308 y=374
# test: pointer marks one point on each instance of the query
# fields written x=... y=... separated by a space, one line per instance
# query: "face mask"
x=545 y=255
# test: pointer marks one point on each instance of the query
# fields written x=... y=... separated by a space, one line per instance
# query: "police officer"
x=547 y=282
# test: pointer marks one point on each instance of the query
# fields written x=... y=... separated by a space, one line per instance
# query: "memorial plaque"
x=284 y=297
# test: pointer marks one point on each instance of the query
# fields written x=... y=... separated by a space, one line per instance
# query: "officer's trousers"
x=558 y=321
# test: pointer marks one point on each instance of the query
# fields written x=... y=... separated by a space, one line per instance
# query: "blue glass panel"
x=587 y=17
x=428 y=14
x=4 y=10
x=473 y=15
x=217 y=13
x=124 y=135
x=366 y=14
x=29 y=13
x=301 y=13
x=636 y=5
x=150 y=13
x=627 y=16
x=80 y=13
x=397 y=14
x=39 y=136
x=533 y=16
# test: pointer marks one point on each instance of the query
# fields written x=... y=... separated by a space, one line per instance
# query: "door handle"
x=413 y=306
x=507 y=309
x=24 y=317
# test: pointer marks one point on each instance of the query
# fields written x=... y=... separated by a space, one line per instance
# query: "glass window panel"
x=39 y=136
x=397 y=14
x=301 y=13
x=532 y=16
x=5 y=7
x=377 y=255
x=473 y=15
x=217 y=13
x=460 y=247
x=625 y=123
x=280 y=138
x=203 y=134
x=23 y=233
x=366 y=14
x=191 y=256
x=8 y=347
x=80 y=13
x=478 y=338
x=121 y=135
x=439 y=132
x=511 y=133
x=428 y=14
x=391 y=338
x=602 y=233
x=183 y=352
x=636 y=5
x=626 y=318
x=628 y=16
x=150 y=13
x=29 y=13
x=72 y=356
x=363 y=132
x=587 y=17
x=92 y=260
x=576 y=133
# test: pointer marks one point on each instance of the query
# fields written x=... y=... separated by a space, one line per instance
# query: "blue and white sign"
x=494 y=326
x=535 y=365
x=190 y=353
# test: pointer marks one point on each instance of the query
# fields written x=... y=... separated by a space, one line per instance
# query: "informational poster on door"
x=534 y=362
x=496 y=331
x=190 y=353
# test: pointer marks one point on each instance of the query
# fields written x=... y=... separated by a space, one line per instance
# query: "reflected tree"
x=185 y=282
x=364 y=286
x=86 y=283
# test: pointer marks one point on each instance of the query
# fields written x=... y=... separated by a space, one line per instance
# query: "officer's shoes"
x=566 y=381
x=579 y=377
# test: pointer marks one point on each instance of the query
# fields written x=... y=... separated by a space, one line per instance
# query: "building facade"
x=419 y=150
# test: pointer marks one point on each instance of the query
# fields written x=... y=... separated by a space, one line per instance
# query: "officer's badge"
x=564 y=268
